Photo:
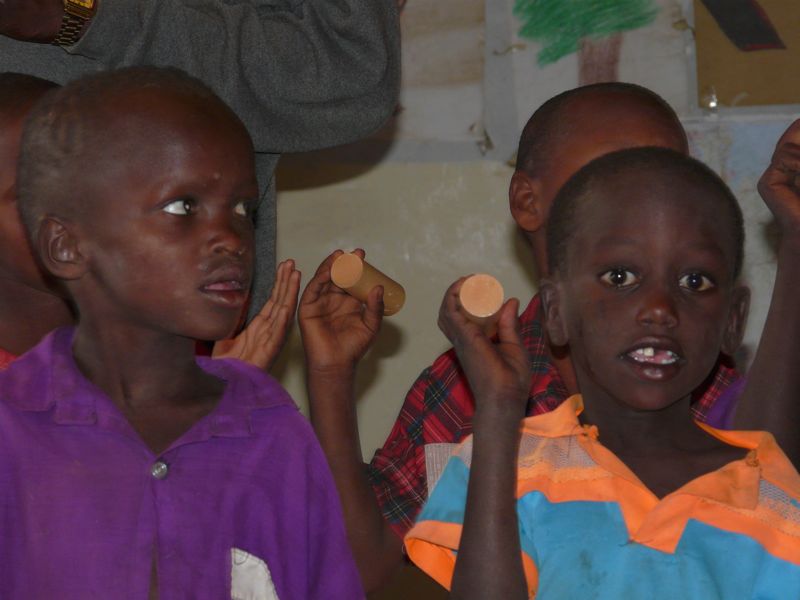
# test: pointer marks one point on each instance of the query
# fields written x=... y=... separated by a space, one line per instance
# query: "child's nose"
x=228 y=238
x=658 y=308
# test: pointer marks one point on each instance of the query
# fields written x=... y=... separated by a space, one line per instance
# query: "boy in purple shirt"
x=129 y=468
x=32 y=303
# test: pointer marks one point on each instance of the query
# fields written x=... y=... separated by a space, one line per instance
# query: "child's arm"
x=771 y=397
x=261 y=341
x=301 y=74
x=489 y=563
x=337 y=330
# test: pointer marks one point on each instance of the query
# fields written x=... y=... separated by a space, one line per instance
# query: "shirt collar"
x=559 y=422
x=735 y=484
x=47 y=377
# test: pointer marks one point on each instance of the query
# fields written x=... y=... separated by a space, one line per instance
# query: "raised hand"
x=337 y=329
x=488 y=564
x=261 y=341
x=31 y=20
x=498 y=371
x=779 y=186
x=769 y=399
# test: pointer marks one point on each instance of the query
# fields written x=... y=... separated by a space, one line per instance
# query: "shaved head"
x=581 y=111
x=80 y=133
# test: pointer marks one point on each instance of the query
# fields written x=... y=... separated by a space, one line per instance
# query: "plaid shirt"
x=439 y=409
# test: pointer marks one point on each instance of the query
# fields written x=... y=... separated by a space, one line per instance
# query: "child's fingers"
x=450 y=307
x=285 y=269
x=451 y=302
x=292 y=291
x=373 y=311
x=508 y=322
x=320 y=281
x=288 y=286
x=787 y=158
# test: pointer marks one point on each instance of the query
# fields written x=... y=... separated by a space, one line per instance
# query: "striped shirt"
x=438 y=411
x=589 y=528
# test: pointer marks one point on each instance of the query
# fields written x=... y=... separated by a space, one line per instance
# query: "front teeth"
x=648 y=355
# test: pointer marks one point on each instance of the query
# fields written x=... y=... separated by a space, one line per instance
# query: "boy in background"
x=31 y=303
x=620 y=492
x=129 y=468
x=381 y=502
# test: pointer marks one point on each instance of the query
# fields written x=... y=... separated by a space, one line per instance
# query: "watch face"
x=80 y=8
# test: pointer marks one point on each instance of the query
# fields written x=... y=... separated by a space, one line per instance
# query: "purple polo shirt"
x=242 y=505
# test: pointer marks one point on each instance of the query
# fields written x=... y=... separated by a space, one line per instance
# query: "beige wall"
x=423 y=224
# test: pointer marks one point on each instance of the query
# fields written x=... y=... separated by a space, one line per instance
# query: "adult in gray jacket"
x=301 y=74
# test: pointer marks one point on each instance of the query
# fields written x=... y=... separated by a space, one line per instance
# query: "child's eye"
x=182 y=206
x=619 y=278
x=242 y=208
x=697 y=282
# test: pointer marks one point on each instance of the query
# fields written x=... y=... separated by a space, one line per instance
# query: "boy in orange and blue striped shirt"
x=620 y=493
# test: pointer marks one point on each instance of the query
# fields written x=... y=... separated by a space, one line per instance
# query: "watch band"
x=70 y=31
x=73 y=22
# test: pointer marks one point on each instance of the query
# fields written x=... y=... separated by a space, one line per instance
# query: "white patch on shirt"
x=250 y=577
x=436 y=457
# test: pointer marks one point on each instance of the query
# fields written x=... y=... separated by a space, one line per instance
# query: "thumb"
x=508 y=322
x=373 y=312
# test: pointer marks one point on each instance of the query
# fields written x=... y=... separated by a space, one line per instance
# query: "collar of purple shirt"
x=77 y=401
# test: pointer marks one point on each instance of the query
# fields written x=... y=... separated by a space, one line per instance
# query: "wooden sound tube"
x=357 y=277
x=481 y=296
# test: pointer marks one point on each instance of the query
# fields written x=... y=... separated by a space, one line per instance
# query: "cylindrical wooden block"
x=357 y=277
x=481 y=296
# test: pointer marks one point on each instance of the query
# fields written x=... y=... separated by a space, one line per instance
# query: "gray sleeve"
x=301 y=74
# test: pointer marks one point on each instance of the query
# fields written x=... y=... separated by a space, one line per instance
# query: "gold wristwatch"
x=77 y=13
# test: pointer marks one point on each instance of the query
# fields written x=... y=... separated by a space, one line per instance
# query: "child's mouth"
x=653 y=356
x=225 y=286
x=654 y=362
x=227 y=292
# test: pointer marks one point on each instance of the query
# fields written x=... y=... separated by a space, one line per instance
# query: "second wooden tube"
x=481 y=296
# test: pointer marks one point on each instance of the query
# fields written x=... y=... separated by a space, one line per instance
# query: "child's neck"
x=153 y=378
x=28 y=314
x=664 y=448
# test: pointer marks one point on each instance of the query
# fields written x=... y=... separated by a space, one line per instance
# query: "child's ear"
x=524 y=198
x=550 y=294
x=59 y=249
x=737 y=319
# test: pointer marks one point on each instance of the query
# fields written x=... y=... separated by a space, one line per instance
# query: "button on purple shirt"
x=84 y=504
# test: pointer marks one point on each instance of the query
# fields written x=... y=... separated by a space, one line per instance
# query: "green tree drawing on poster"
x=561 y=26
